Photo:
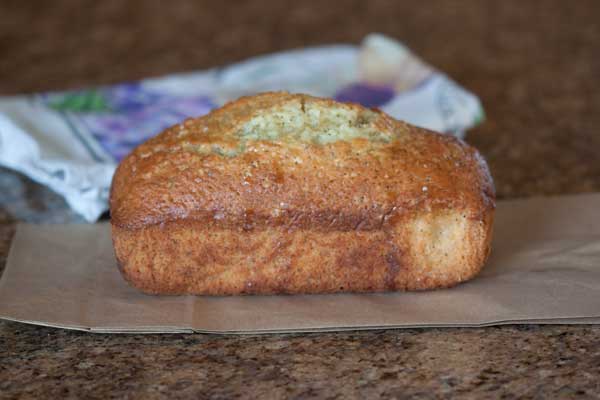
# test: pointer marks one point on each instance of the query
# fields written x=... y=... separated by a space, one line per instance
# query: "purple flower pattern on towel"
x=121 y=117
x=365 y=94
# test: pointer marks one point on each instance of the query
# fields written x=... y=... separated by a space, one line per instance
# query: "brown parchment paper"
x=544 y=268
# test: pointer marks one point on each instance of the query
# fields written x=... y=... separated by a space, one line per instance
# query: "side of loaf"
x=283 y=193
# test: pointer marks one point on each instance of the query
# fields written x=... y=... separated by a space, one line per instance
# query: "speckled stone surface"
x=535 y=66
x=521 y=362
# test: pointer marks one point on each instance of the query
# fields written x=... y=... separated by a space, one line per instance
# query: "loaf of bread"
x=288 y=193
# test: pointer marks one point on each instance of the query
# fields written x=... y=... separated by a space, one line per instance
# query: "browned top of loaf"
x=227 y=169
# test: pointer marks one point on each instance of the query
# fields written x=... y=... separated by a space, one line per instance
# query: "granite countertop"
x=535 y=66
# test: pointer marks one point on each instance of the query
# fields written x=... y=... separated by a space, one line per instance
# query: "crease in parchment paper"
x=544 y=269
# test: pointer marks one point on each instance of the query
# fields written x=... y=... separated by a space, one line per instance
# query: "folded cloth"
x=72 y=141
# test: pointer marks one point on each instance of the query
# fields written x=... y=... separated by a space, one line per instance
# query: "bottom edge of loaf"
x=427 y=252
x=151 y=288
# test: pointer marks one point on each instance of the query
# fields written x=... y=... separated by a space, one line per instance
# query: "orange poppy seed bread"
x=288 y=193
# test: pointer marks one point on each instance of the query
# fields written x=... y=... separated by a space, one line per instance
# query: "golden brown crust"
x=191 y=258
x=214 y=202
